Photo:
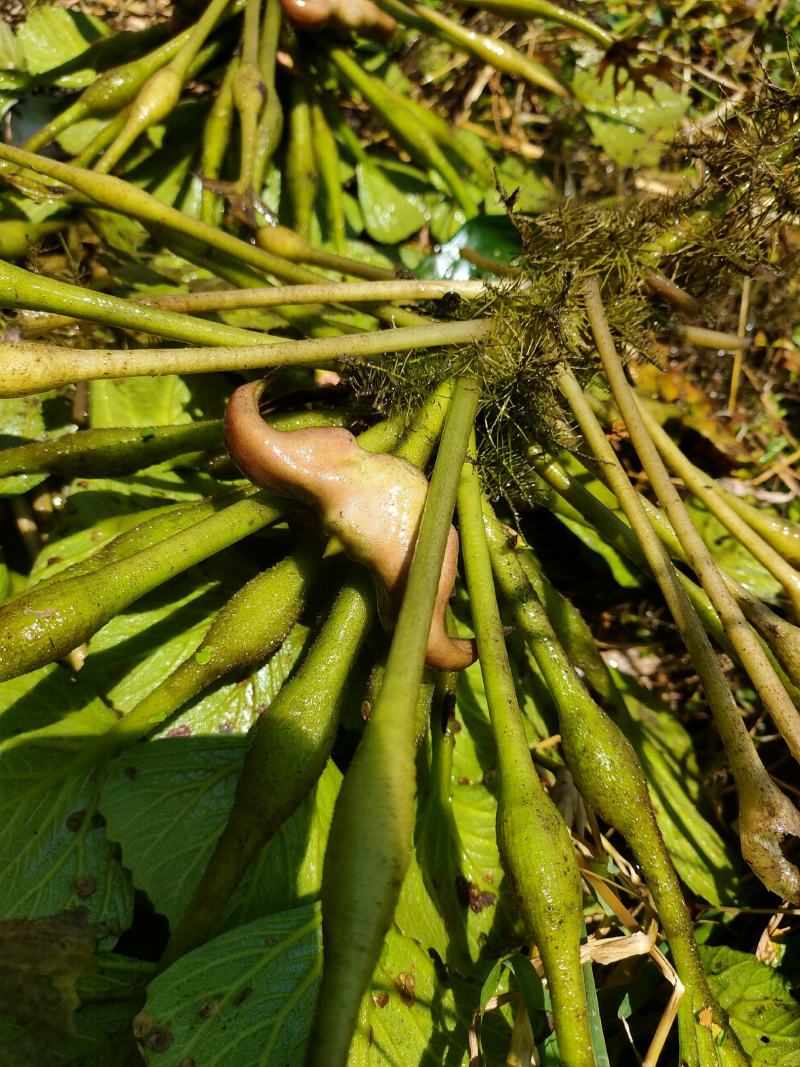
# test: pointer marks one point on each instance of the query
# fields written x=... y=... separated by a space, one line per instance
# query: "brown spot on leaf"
x=406 y=986
x=98 y=820
x=75 y=820
x=159 y=1040
x=470 y=896
x=242 y=995
x=85 y=886
x=132 y=773
x=381 y=999
x=209 y=1009
x=179 y=731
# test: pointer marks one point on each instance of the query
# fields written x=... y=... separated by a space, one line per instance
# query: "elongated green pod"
x=503 y=57
x=249 y=93
x=608 y=774
x=528 y=9
x=216 y=138
x=23 y=289
x=248 y=629
x=370 y=839
x=301 y=164
x=288 y=750
x=270 y=123
x=45 y=624
x=534 y=842
x=328 y=160
x=404 y=126
x=109 y=452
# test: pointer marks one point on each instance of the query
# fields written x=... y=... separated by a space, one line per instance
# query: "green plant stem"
x=270 y=123
x=503 y=57
x=716 y=339
x=216 y=139
x=328 y=160
x=46 y=623
x=29 y=368
x=125 y=198
x=36 y=292
x=414 y=137
x=248 y=94
x=773 y=695
x=281 y=241
x=766 y=817
x=527 y=9
x=110 y=453
x=301 y=164
x=534 y=843
x=370 y=839
x=161 y=92
x=610 y=778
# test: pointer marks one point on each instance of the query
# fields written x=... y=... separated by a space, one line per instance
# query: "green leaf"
x=167 y=803
x=247 y=997
x=161 y=401
x=623 y=572
x=734 y=559
x=701 y=857
x=24 y=419
x=409 y=1016
x=54 y=852
x=51 y=36
x=763 y=1013
x=490 y=235
x=393 y=206
x=632 y=126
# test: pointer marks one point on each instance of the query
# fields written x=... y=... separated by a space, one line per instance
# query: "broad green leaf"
x=101 y=1034
x=392 y=204
x=409 y=1016
x=700 y=855
x=54 y=852
x=28 y=418
x=80 y=134
x=489 y=235
x=245 y=998
x=764 y=1014
x=623 y=572
x=631 y=126
x=167 y=803
x=51 y=36
x=159 y=401
x=533 y=193
x=733 y=557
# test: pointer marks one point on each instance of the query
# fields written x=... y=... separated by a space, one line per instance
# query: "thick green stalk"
x=107 y=453
x=46 y=623
x=769 y=687
x=248 y=629
x=281 y=241
x=270 y=123
x=534 y=843
x=162 y=90
x=766 y=817
x=216 y=140
x=23 y=289
x=301 y=164
x=527 y=9
x=328 y=160
x=30 y=368
x=288 y=750
x=491 y=50
x=127 y=199
x=370 y=839
x=404 y=126
x=248 y=94
x=610 y=778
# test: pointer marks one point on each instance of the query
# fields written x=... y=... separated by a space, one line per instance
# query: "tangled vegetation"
x=398 y=646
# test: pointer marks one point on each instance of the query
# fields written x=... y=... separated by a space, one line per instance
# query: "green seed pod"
x=46 y=623
x=609 y=776
x=287 y=753
x=301 y=164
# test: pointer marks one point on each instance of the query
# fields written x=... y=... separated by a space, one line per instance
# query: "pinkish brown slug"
x=371 y=502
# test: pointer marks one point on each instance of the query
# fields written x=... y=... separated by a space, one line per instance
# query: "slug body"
x=372 y=502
